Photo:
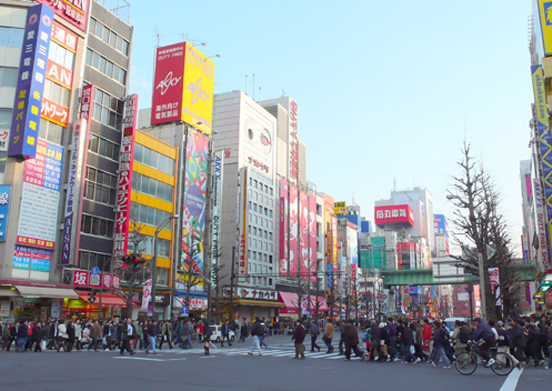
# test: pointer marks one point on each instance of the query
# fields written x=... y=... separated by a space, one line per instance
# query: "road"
x=230 y=368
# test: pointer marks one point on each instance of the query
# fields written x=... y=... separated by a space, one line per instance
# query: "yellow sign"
x=545 y=11
x=197 y=100
x=340 y=208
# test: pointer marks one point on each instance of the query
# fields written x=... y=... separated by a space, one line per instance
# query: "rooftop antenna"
x=259 y=95
x=158 y=39
x=253 y=87
x=394 y=183
x=245 y=84
x=283 y=93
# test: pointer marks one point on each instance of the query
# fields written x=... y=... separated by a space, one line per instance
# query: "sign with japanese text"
x=40 y=197
x=541 y=224
x=54 y=112
x=253 y=293
x=243 y=239
x=284 y=220
x=73 y=11
x=64 y=37
x=86 y=279
x=440 y=225
x=394 y=214
x=294 y=141
x=217 y=213
x=80 y=278
x=31 y=258
x=183 y=86
x=146 y=294
x=59 y=74
x=30 y=83
x=340 y=208
x=5 y=194
x=126 y=160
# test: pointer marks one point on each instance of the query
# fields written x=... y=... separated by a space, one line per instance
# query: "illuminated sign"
x=126 y=160
x=64 y=37
x=394 y=214
x=73 y=11
x=243 y=244
x=183 y=87
x=30 y=83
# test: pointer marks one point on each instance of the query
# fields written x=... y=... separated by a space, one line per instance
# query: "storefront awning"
x=51 y=293
x=289 y=299
x=8 y=292
x=198 y=294
x=108 y=300
x=259 y=303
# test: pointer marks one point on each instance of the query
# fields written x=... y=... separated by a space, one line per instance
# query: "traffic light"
x=91 y=297
x=132 y=260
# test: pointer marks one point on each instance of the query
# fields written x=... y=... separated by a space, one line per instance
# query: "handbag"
x=325 y=338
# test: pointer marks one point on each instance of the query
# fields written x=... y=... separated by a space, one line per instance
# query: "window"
x=148 y=215
x=270 y=235
x=50 y=131
x=270 y=259
x=254 y=207
x=107 y=110
x=100 y=186
x=56 y=93
x=103 y=147
x=11 y=37
x=8 y=77
x=270 y=213
x=103 y=65
x=5 y=125
x=88 y=260
x=108 y=36
x=153 y=187
x=97 y=226
x=60 y=55
x=154 y=159
x=265 y=211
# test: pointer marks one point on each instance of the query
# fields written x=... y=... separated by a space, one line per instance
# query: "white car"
x=217 y=334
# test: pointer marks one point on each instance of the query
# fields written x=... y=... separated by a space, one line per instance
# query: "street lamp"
x=154 y=260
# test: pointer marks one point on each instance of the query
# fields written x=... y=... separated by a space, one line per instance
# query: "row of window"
x=258 y=256
x=153 y=187
x=253 y=243
x=258 y=208
x=259 y=221
x=259 y=185
x=108 y=68
x=145 y=246
x=100 y=186
x=62 y=56
x=108 y=36
x=56 y=93
x=8 y=76
x=146 y=215
x=97 y=226
x=260 y=232
x=257 y=196
x=153 y=159
x=103 y=147
x=50 y=131
x=11 y=37
x=108 y=110
x=88 y=260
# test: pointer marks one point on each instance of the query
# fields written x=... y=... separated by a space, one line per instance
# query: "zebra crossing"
x=281 y=353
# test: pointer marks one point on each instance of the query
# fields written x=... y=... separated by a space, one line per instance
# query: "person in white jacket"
x=78 y=334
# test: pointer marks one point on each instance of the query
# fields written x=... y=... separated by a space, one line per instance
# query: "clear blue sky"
x=384 y=88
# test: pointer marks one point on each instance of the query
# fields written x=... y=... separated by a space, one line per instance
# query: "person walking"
x=96 y=335
x=22 y=335
x=166 y=332
x=439 y=341
x=6 y=335
x=350 y=337
x=207 y=332
x=407 y=338
x=314 y=331
x=328 y=336
x=127 y=334
x=225 y=331
x=151 y=330
x=298 y=338
x=243 y=332
x=256 y=332
x=38 y=335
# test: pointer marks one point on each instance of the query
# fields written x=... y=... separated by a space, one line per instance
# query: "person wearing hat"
x=484 y=332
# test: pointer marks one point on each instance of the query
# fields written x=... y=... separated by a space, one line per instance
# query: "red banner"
x=394 y=214
x=59 y=74
x=312 y=236
x=73 y=11
x=64 y=37
x=293 y=231
x=54 y=112
x=284 y=219
x=168 y=84
x=304 y=260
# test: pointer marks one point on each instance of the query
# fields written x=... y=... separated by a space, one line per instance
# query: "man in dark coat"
x=298 y=338
x=407 y=338
x=350 y=337
x=375 y=342
x=38 y=335
x=127 y=333
x=225 y=331
x=22 y=335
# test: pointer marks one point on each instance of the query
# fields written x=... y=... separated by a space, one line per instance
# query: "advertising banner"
x=340 y=208
x=304 y=259
x=284 y=220
x=64 y=37
x=494 y=278
x=120 y=243
x=294 y=141
x=54 y=112
x=545 y=144
x=183 y=86
x=31 y=258
x=334 y=243
x=545 y=14
x=312 y=238
x=5 y=194
x=30 y=84
x=73 y=11
x=217 y=211
x=59 y=74
x=394 y=214
x=243 y=239
x=541 y=222
x=293 y=231
x=40 y=197
x=440 y=225
x=195 y=189
x=146 y=294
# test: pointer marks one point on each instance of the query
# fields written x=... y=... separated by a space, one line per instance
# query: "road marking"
x=150 y=359
x=511 y=381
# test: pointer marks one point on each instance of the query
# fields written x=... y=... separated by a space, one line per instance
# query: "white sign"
x=146 y=294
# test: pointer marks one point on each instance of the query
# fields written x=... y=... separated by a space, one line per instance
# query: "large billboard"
x=545 y=14
x=394 y=214
x=340 y=208
x=40 y=197
x=545 y=143
x=440 y=225
x=30 y=83
x=183 y=86
x=284 y=234
x=195 y=192
x=293 y=230
x=124 y=184
x=73 y=11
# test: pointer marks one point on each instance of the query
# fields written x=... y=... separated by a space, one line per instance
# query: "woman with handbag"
x=62 y=336
x=328 y=336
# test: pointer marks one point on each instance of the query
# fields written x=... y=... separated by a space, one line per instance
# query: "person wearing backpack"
x=439 y=341
x=256 y=332
x=460 y=336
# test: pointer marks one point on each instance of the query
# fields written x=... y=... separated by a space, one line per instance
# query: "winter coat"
x=329 y=332
x=376 y=336
x=351 y=335
x=407 y=336
x=299 y=335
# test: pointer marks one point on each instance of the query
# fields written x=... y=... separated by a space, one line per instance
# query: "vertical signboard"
x=195 y=189
x=545 y=14
x=304 y=259
x=294 y=141
x=243 y=238
x=5 y=194
x=183 y=86
x=30 y=83
x=40 y=197
x=541 y=224
x=494 y=278
x=284 y=220
x=545 y=144
x=122 y=214
x=334 y=243
x=293 y=231
x=217 y=210
x=312 y=238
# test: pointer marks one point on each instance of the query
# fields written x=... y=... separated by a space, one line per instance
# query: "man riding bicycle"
x=486 y=339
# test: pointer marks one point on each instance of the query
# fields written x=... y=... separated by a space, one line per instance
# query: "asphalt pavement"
x=230 y=368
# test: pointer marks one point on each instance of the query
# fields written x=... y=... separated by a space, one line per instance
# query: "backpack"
x=262 y=329
x=464 y=335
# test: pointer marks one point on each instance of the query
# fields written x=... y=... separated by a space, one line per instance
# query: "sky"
x=386 y=90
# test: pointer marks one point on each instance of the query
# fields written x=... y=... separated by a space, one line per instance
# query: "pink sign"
x=312 y=235
x=168 y=84
x=304 y=259
x=293 y=231
x=394 y=214
x=284 y=218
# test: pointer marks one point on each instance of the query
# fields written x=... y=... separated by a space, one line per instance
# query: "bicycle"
x=466 y=363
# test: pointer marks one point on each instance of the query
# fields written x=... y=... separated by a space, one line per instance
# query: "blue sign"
x=5 y=192
x=95 y=270
x=185 y=310
x=30 y=83
x=31 y=258
x=440 y=225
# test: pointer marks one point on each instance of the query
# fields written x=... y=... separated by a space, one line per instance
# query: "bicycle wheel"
x=466 y=363
x=503 y=364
